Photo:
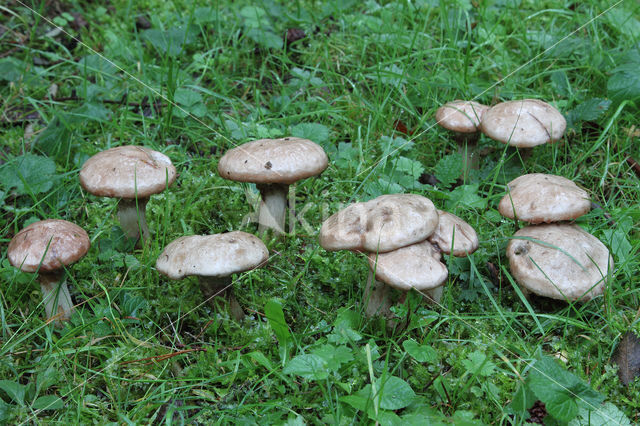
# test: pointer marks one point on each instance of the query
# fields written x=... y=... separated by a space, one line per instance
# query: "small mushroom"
x=416 y=266
x=273 y=165
x=47 y=247
x=537 y=198
x=213 y=258
x=454 y=236
x=132 y=174
x=463 y=118
x=560 y=261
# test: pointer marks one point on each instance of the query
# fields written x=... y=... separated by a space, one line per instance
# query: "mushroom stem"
x=273 y=205
x=132 y=218
x=57 y=300
x=215 y=287
x=377 y=298
x=435 y=294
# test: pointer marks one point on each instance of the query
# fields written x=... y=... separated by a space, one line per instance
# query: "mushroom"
x=524 y=124
x=538 y=197
x=454 y=236
x=415 y=266
x=213 y=258
x=133 y=174
x=47 y=247
x=273 y=165
x=463 y=118
x=560 y=261
x=385 y=223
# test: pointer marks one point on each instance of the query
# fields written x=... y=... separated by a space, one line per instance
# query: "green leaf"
x=309 y=366
x=14 y=390
x=29 y=173
x=96 y=64
x=477 y=364
x=394 y=393
x=563 y=407
x=318 y=133
x=523 y=399
x=421 y=353
x=48 y=402
x=466 y=195
x=448 y=169
x=605 y=414
x=90 y=111
x=624 y=83
x=171 y=42
x=333 y=356
x=275 y=316
x=187 y=97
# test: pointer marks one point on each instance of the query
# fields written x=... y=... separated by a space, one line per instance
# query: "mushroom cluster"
x=404 y=236
x=551 y=257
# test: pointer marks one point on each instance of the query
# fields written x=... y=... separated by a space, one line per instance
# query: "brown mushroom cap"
x=524 y=123
x=380 y=225
x=264 y=161
x=416 y=266
x=558 y=261
x=127 y=171
x=453 y=231
x=217 y=255
x=60 y=242
x=461 y=116
x=537 y=198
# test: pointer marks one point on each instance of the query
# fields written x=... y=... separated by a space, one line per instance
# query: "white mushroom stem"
x=377 y=298
x=132 y=218
x=273 y=205
x=57 y=300
x=215 y=287
x=435 y=294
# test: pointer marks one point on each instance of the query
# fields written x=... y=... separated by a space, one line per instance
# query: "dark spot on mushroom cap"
x=521 y=249
x=268 y=165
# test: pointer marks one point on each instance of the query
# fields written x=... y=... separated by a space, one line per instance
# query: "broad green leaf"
x=523 y=399
x=171 y=41
x=48 y=402
x=605 y=415
x=309 y=366
x=90 y=111
x=563 y=407
x=421 y=353
x=394 y=393
x=187 y=97
x=97 y=64
x=333 y=356
x=14 y=390
x=275 y=316
x=29 y=173
x=591 y=109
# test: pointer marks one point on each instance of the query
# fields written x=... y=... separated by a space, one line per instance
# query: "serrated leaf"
x=604 y=415
x=421 y=353
x=591 y=109
x=334 y=356
x=48 y=402
x=316 y=132
x=29 y=173
x=466 y=195
x=448 y=169
x=309 y=366
x=478 y=364
x=624 y=83
x=563 y=407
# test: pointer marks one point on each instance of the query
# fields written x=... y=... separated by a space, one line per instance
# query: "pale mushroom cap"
x=454 y=236
x=524 y=123
x=217 y=255
x=285 y=161
x=538 y=198
x=60 y=242
x=550 y=269
x=125 y=171
x=416 y=266
x=461 y=116
x=382 y=224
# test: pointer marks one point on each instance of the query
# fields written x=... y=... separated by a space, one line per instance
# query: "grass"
x=192 y=81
